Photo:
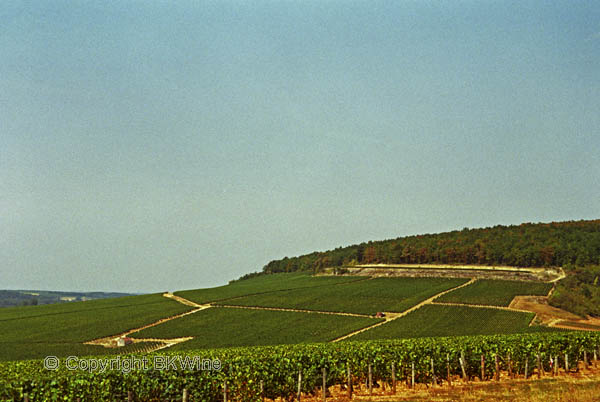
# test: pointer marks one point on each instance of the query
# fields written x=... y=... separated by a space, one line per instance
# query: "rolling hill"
x=61 y=329
x=324 y=316
x=268 y=310
x=262 y=332
x=525 y=245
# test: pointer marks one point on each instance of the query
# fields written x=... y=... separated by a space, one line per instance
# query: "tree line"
x=524 y=245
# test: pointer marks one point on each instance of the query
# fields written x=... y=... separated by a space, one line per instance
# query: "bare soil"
x=552 y=316
x=546 y=314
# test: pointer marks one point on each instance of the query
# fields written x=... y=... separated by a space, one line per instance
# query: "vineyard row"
x=289 y=371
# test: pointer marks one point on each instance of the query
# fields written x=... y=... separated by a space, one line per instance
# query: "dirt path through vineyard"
x=394 y=316
x=110 y=341
x=516 y=305
x=481 y=306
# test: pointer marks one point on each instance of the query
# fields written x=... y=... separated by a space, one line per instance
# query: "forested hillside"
x=525 y=245
x=579 y=292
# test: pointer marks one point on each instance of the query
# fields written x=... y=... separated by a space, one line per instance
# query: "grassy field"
x=495 y=292
x=226 y=327
x=438 y=320
x=364 y=297
x=59 y=329
x=264 y=284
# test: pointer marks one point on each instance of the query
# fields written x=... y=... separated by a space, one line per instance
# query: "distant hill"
x=11 y=298
x=525 y=245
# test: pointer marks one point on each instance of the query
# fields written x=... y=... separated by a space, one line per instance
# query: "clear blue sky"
x=147 y=145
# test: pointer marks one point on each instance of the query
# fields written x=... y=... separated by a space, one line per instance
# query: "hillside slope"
x=525 y=245
x=61 y=329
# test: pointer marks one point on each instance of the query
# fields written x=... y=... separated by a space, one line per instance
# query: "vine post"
x=412 y=382
x=402 y=373
x=461 y=360
x=370 y=385
x=482 y=367
x=393 y=377
x=497 y=368
x=324 y=384
x=448 y=369
x=299 y=395
x=433 y=379
x=262 y=390
x=539 y=366
x=185 y=395
x=349 y=382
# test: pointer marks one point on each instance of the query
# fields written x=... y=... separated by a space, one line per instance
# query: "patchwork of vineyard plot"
x=495 y=292
x=37 y=331
x=264 y=284
x=439 y=320
x=226 y=327
x=59 y=329
x=362 y=297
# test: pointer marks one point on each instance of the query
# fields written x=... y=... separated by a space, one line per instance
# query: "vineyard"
x=243 y=313
x=363 y=297
x=253 y=342
x=441 y=320
x=495 y=292
x=264 y=284
x=251 y=373
x=228 y=327
x=60 y=329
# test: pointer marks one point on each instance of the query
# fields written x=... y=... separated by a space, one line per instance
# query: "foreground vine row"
x=250 y=373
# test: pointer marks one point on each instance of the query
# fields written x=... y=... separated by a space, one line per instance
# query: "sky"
x=152 y=146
